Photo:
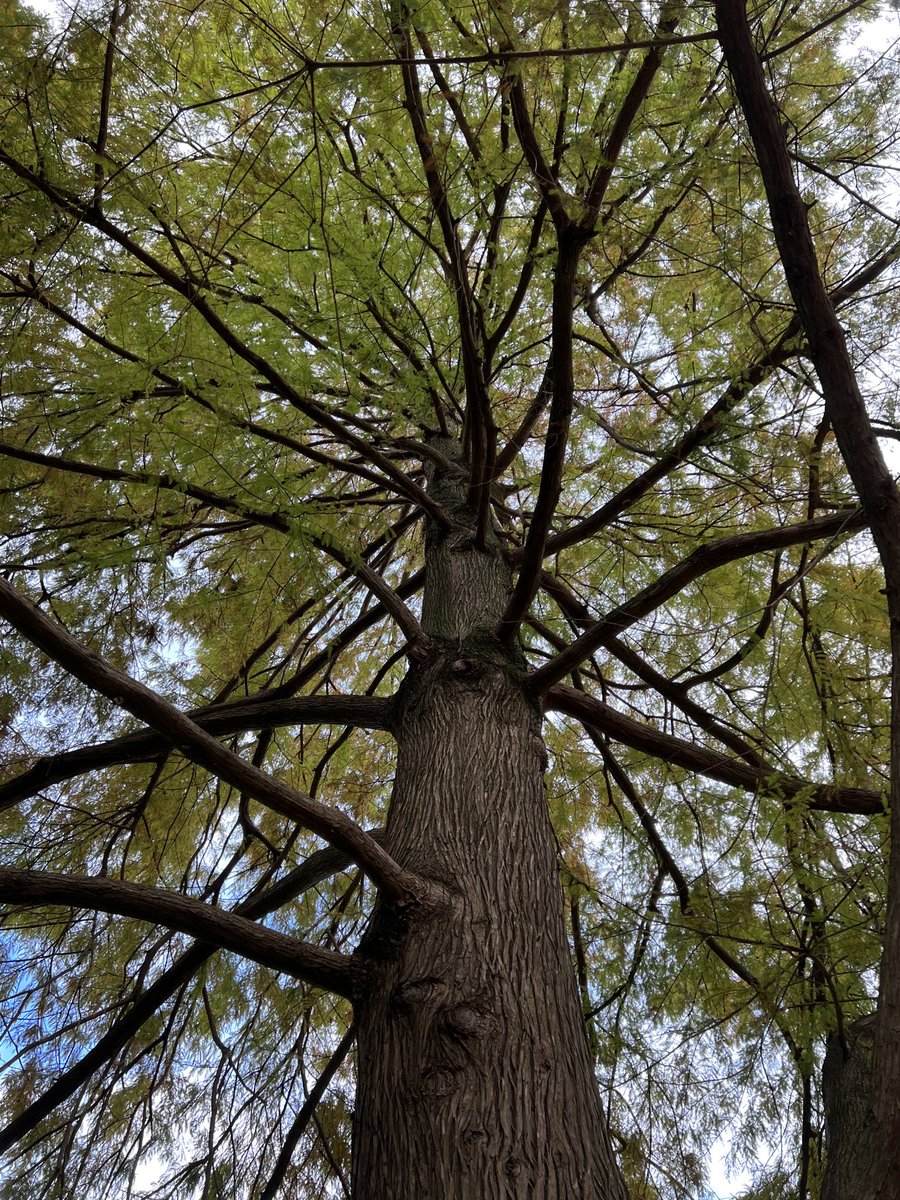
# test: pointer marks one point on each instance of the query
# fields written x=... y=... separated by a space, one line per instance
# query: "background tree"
x=423 y=420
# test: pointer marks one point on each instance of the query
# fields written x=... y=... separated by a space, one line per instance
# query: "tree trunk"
x=474 y=1076
x=863 y=1153
x=846 y=1091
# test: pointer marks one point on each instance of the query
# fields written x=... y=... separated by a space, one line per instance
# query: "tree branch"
x=33 y=291
x=308 y=874
x=220 y=720
x=637 y=93
x=480 y=434
x=560 y=371
x=283 y=522
x=304 y=1116
x=518 y=439
x=735 y=772
x=327 y=655
x=874 y=483
x=668 y=864
x=401 y=887
x=271 y=520
x=676 y=693
x=785 y=347
x=552 y=194
x=191 y=291
x=228 y=931
x=116 y=17
x=703 y=560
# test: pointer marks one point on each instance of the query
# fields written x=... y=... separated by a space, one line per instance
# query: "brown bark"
x=863 y=1154
x=475 y=1080
x=846 y=1075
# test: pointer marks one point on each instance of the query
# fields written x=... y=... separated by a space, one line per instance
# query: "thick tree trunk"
x=474 y=1076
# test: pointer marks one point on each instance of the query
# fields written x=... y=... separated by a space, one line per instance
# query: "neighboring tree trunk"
x=863 y=1157
x=474 y=1076
x=846 y=1085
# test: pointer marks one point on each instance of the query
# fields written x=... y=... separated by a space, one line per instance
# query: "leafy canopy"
x=251 y=260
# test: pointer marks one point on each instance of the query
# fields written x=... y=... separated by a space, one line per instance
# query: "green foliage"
x=242 y=237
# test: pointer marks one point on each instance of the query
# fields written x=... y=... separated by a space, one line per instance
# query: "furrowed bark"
x=846 y=410
x=846 y=1083
x=474 y=1075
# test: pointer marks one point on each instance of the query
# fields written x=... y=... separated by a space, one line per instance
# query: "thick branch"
x=678 y=452
x=32 y=291
x=733 y=771
x=676 y=693
x=329 y=653
x=201 y=747
x=517 y=441
x=551 y=193
x=703 y=560
x=322 y=968
x=844 y=403
x=115 y=19
x=505 y=53
x=308 y=874
x=560 y=371
x=540 y=401
x=220 y=720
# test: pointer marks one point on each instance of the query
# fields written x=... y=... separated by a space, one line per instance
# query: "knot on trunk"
x=438 y=1083
x=466 y=1021
x=412 y=993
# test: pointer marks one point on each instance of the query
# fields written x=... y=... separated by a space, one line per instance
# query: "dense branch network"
x=235 y=330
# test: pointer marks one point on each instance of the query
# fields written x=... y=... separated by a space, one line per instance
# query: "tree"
x=452 y=583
